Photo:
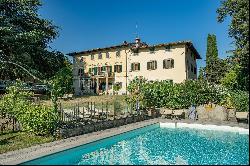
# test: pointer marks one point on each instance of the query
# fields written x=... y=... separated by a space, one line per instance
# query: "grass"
x=84 y=99
x=19 y=140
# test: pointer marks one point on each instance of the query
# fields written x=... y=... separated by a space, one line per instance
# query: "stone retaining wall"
x=79 y=129
x=212 y=113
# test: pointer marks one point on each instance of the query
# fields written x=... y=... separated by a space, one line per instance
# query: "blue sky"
x=87 y=24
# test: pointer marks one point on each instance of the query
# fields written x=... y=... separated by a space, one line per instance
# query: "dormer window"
x=118 y=54
x=167 y=48
x=151 y=50
x=100 y=55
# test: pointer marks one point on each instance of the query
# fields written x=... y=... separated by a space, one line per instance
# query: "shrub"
x=40 y=120
x=33 y=118
x=175 y=96
x=240 y=100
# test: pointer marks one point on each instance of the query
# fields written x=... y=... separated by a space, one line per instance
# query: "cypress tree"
x=212 y=60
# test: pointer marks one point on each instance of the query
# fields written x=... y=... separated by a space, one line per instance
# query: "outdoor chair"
x=70 y=96
x=177 y=114
x=65 y=96
x=242 y=116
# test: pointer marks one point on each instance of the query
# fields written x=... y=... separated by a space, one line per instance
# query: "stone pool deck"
x=27 y=154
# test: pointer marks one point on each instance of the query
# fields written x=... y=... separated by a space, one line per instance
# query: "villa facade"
x=99 y=70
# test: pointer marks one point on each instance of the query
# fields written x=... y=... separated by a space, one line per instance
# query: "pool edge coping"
x=30 y=153
x=24 y=155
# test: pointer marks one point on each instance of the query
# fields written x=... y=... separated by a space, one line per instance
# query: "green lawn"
x=84 y=99
x=19 y=140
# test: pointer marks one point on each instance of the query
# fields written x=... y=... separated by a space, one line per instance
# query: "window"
x=188 y=65
x=135 y=51
x=171 y=81
x=152 y=65
x=193 y=55
x=168 y=48
x=92 y=56
x=100 y=55
x=151 y=50
x=195 y=70
x=103 y=68
x=192 y=68
x=109 y=68
x=118 y=68
x=107 y=55
x=135 y=66
x=118 y=54
x=168 y=63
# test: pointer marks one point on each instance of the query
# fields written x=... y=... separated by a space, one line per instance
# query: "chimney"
x=137 y=42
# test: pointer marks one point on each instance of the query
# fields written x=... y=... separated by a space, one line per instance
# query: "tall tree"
x=215 y=67
x=211 y=59
x=238 y=10
x=25 y=39
x=201 y=75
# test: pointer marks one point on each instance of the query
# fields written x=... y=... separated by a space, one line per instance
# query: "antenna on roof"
x=136 y=31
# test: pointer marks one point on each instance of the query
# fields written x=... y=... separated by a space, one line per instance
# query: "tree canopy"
x=238 y=10
x=25 y=39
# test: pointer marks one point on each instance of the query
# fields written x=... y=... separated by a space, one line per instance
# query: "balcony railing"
x=102 y=74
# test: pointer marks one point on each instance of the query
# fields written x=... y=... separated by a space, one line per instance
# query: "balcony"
x=102 y=74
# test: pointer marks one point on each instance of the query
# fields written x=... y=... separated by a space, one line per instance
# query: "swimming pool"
x=155 y=144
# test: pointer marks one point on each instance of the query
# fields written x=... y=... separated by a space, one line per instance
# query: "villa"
x=98 y=70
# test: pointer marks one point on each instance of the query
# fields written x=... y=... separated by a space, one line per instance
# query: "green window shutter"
x=164 y=64
x=148 y=67
x=172 y=63
x=89 y=70
x=132 y=66
x=155 y=64
x=139 y=66
x=103 y=68
x=114 y=68
x=120 y=68
x=110 y=69
x=95 y=71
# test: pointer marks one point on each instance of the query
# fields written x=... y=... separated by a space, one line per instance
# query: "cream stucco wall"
x=177 y=74
x=181 y=71
x=111 y=61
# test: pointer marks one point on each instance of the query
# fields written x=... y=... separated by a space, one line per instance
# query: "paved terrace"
x=27 y=154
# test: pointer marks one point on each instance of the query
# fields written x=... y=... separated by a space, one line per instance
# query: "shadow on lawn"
x=7 y=140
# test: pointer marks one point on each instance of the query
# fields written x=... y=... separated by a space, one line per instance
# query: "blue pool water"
x=154 y=145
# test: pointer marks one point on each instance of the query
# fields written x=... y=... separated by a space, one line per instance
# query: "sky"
x=88 y=24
